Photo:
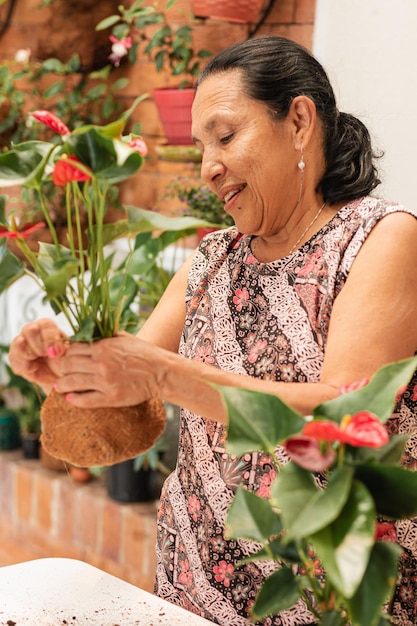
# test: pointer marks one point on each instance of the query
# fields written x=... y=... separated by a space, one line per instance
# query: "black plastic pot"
x=124 y=484
x=30 y=445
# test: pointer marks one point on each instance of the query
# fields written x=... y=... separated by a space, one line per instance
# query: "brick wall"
x=44 y=510
x=36 y=28
x=52 y=516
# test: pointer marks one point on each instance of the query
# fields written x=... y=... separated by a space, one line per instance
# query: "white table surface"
x=67 y=592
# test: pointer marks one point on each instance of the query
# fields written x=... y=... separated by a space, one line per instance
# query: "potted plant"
x=83 y=282
x=25 y=399
x=171 y=48
x=9 y=424
x=133 y=480
x=338 y=550
x=200 y=202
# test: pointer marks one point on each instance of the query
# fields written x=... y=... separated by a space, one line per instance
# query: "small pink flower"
x=223 y=572
x=266 y=481
x=51 y=121
x=126 y=41
x=119 y=49
x=186 y=577
x=66 y=171
x=256 y=350
x=194 y=507
x=240 y=298
x=314 y=264
x=138 y=144
x=203 y=354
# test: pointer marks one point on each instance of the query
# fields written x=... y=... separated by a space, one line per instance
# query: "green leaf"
x=24 y=163
x=378 y=396
x=251 y=517
x=144 y=257
x=332 y=618
x=400 y=483
x=305 y=508
x=344 y=547
x=11 y=269
x=122 y=289
x=86 y=330
x=277 y=549
x=145 y=221
x=392 y=452
x=108 y=22
x=257 y=421
x=377 y=585
x=279 y=592
x=55 y=89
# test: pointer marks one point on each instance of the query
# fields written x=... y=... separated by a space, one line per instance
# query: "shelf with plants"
x=140 y=29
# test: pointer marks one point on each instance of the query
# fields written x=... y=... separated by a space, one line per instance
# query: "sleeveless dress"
x=270 y=321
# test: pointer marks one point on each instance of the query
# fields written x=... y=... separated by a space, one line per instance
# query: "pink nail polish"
x=68 y=397
x=51 y=352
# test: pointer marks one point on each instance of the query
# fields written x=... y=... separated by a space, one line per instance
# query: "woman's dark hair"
x=276 y=70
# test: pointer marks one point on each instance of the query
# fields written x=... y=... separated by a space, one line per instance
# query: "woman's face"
x=248 y=160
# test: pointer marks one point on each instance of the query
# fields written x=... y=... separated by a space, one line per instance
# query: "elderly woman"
x=313 y=289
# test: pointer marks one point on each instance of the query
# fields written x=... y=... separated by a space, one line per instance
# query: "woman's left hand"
x=120 y=371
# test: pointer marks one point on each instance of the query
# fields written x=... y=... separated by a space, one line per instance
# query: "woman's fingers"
x=44 y=338
x=29 y=351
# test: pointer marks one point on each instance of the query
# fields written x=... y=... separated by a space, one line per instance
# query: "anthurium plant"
x=82 y=279
x=329 y=507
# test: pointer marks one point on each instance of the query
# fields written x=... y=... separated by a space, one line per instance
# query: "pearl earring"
x=301 y=165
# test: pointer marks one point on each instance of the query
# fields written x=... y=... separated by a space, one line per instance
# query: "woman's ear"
x=303 y=115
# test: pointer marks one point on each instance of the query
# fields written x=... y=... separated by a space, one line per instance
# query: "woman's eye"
x=226 y=139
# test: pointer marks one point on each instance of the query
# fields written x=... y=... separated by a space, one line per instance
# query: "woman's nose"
x=211 y=167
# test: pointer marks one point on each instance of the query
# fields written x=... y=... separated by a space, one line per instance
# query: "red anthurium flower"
x=365 y=429
x=24 y=233
x=138 y=144
x=361 y=429
x=322 y=430
x=66 y=171
x=52 y=121
x=306 y=452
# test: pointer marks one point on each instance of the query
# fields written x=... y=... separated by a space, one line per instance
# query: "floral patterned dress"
x=270 y=321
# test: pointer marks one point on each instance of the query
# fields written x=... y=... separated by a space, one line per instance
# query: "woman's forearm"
x=189 y=384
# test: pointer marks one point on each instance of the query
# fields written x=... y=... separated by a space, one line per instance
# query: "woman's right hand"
x=34 y=349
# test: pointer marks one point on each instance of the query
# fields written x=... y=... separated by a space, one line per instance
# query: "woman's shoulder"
x=374 y=207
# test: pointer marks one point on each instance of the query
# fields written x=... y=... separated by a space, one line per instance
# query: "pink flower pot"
x=174 y=108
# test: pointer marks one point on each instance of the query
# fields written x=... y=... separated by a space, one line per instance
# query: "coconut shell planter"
x=104 y=436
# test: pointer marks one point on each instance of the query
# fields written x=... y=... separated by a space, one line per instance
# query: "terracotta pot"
x=174 y=108
x=240 y=11
x=80 y=474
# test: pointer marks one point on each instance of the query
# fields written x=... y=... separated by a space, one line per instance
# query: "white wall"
x=369 y=49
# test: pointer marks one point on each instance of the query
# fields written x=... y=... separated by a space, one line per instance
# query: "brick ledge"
x=46 y=512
